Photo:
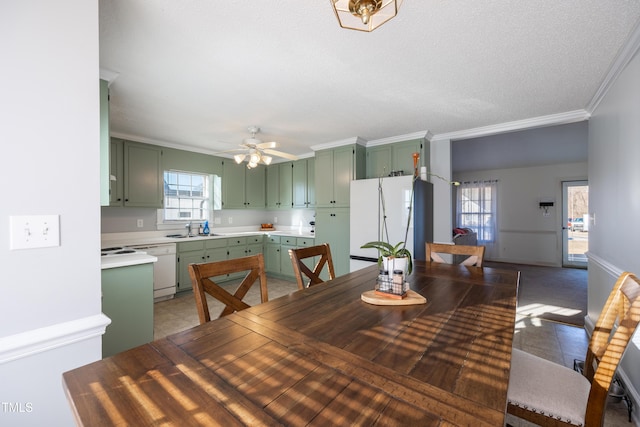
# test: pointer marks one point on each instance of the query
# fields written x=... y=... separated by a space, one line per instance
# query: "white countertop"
x=158 y=237
x=126 y=260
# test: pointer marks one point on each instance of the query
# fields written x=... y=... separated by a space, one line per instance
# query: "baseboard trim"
x=39 y=340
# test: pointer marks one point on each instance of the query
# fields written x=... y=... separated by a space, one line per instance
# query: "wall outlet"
x=140 y=223
x=275 y=219
x=230 y=220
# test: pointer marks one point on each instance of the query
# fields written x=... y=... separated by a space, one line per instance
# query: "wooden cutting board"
x=412 y=298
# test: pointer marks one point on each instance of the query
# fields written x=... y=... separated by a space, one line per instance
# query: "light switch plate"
x=34 y=231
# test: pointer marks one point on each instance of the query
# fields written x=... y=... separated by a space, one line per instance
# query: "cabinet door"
x=300 y=184
x=233 y=185
x=273 y=186
x=272 y=258
x=254 y=249
x=286 y=266
x=403 y=155
x=324 y=178
x=311 y=182
x=184 y=259
x=332 y=226
x=116 y=170
x=378 y=161
x=342 y=175
x=255 y=188
x=143 y=175
x=285 y=185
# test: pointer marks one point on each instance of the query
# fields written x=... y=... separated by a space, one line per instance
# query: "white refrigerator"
x=366 y=216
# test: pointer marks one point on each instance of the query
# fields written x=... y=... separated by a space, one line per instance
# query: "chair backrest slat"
x=475 y=253
x=202 y=276
x=301 y=270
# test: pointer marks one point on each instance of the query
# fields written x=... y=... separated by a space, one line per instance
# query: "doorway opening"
x=575 y=227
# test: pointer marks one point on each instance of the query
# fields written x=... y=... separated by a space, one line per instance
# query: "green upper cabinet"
x=378 y=161
x=105 y=173
x=334 y=171
x=143 y=177
x=382 y=160
x=242 y=188
x=233 y=184
x=280 y=185
x=188 y=161
x=304 y=183
x=402 y=154
x=255 y=187
x=116 y=172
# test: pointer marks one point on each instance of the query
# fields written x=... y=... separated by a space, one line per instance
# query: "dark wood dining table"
x=322 y=356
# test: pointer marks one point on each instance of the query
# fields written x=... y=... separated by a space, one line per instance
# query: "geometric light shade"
x=364 y=15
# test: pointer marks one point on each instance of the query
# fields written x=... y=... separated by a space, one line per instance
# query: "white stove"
x=118 y=250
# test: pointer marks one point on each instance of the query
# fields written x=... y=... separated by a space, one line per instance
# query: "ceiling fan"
x=255 y=151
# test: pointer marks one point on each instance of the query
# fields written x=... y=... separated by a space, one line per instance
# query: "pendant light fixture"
x=364 y=15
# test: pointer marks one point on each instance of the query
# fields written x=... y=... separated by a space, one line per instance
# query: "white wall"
x=614 y=198
x=524 y=234
x=50 y=165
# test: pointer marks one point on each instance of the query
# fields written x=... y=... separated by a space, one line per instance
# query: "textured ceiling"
x=196 y=73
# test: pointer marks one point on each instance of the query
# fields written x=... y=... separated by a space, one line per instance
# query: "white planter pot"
x=390 y=264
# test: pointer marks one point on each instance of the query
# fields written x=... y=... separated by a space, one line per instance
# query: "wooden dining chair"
x=475 y=254
x=202 y=278
x=301 y=269
x=549 y=394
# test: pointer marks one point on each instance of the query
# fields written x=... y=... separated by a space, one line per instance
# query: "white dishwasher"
x=164 y=270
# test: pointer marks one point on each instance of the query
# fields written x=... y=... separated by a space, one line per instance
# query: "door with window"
x=575 y=227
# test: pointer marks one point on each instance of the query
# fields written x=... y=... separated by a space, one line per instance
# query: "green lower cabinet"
x=184 y=259
x=332 y=226
x=272 y=254
x=286 y=267
x=127 y=299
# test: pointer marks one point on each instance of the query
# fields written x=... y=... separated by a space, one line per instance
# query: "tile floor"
x=554 y=341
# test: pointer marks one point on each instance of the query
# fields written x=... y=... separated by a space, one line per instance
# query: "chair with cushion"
x=301 y=269
x=202 y=276
x=475 y=254
x=549 y=394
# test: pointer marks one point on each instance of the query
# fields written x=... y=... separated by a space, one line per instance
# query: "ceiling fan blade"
x=267 y=145
x=281 y=154
x=230 y=151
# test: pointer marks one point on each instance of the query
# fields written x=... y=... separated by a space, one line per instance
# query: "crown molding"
x=534 y=122
x=399 y=138
x=340 y=143
x=625 y=55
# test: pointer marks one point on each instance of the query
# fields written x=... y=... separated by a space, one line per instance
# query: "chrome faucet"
x=188 y=227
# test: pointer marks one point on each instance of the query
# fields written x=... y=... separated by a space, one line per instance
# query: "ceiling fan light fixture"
x=239 y=158
x=364 y=15
x=254 y=157
x=267 y=160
